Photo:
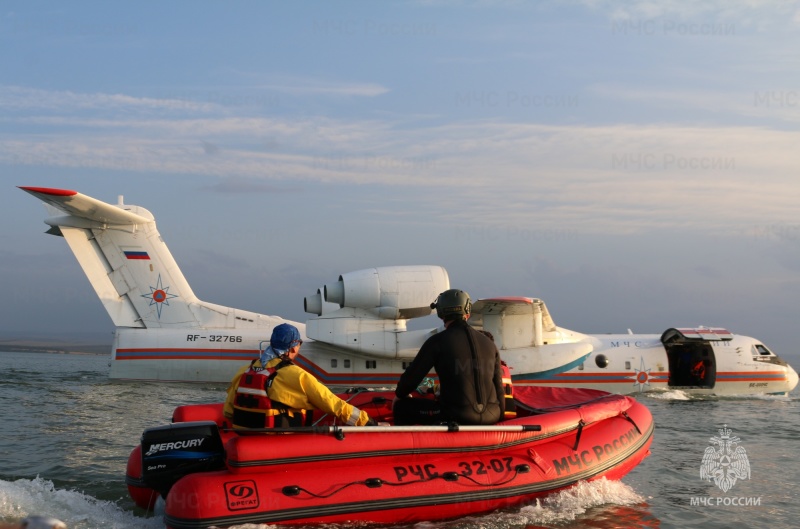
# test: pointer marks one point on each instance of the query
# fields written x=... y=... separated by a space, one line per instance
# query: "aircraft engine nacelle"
x=390 y=292
x=313 y=304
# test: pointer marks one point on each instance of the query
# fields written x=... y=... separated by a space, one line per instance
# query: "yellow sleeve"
x=324 y=399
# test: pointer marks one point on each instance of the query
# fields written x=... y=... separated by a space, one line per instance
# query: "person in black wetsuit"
x=467 y=364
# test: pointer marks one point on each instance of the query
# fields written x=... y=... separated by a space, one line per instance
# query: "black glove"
x=371 y=422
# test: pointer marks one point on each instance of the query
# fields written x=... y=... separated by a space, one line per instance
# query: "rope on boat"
x=374 y=483
x=581 y=424
x=625 y=414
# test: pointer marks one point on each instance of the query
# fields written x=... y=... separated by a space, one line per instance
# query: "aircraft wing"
x=514 y=321
x=700 y=334
x=79 y=205
x=514 y=306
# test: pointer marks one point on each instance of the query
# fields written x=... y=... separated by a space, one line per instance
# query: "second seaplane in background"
x=357 y=334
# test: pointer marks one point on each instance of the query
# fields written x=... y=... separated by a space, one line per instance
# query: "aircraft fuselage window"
x=334 y=362
x=761 y=350
x=347 y=363
x=372 y=364
x=627 y=365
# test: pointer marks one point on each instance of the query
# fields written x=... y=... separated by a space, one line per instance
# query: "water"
x=67 y=431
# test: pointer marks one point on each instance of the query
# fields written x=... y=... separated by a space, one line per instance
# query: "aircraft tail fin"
x=128 y=264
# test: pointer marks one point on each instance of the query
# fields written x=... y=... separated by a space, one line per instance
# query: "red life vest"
x=699 y=370
x=252 y=407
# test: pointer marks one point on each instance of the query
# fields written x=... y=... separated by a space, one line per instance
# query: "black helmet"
x=451 y=303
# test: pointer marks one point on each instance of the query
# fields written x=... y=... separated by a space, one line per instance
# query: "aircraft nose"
x=791 y=376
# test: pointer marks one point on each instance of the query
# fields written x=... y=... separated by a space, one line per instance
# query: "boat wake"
x=553 y=510
x=574 y=503
x=570 y=503
x=677 y=394
x=24 y=497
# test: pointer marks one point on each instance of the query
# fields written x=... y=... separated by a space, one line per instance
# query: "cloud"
x=299 y=85
x=720 y=9
x=604 y=178
x=335 y=89
x=249 y=186
x=24 y=98
x=778 y=104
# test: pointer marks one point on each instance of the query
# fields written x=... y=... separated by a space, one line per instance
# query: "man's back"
x=468 y=366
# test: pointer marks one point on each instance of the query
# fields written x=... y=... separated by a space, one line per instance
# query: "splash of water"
x=23 y=497
x=555 y=509
x=674 y=394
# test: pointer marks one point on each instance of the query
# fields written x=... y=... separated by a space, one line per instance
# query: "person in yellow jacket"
x=273 y=386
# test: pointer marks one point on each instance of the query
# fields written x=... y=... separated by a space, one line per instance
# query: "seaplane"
x=357 y=332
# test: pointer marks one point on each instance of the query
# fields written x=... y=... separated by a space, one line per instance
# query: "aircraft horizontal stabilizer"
x=86 y=207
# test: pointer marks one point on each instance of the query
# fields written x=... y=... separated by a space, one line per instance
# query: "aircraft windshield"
x=760 y=350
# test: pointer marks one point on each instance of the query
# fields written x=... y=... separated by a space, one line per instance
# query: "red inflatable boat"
x=211 y=476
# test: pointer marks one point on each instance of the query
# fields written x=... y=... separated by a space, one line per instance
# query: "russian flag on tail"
x=136 y=254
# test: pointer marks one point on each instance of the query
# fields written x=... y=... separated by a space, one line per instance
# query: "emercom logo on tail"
x=126 y=261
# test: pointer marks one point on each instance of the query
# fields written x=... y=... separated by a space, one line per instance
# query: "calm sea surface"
x=67 y=431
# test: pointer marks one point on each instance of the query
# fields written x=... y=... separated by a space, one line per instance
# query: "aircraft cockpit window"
x=760 y=350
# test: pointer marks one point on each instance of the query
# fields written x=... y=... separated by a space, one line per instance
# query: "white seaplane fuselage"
x=636 y=363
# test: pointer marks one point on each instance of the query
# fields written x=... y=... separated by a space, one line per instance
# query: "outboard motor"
x=175 y=450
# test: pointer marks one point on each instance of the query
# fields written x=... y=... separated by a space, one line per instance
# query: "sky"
x=636 y=165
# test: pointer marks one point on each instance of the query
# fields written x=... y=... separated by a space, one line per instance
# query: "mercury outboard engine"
x=175 y=450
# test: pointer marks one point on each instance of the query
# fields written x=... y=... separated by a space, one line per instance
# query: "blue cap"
x=284 y=337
